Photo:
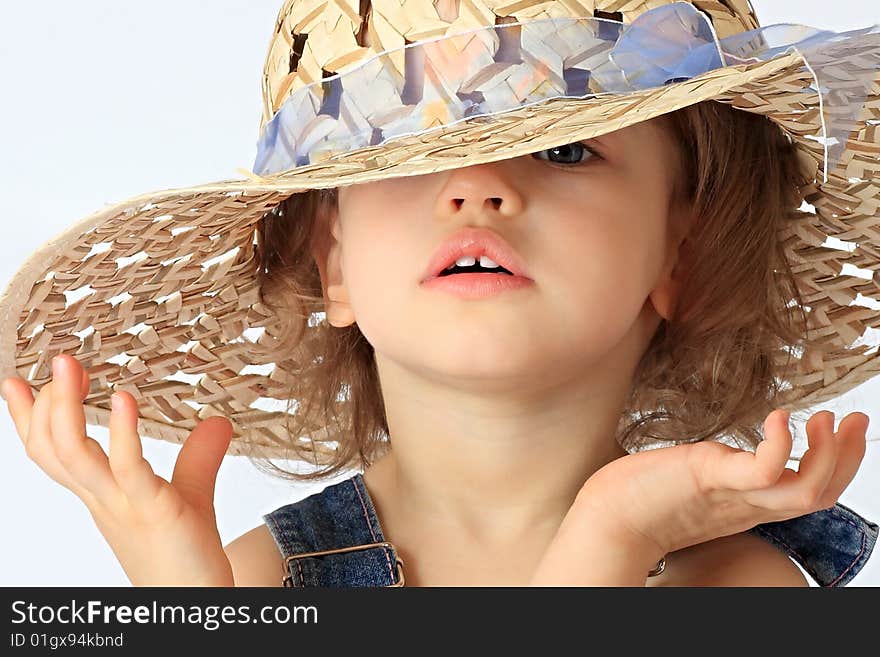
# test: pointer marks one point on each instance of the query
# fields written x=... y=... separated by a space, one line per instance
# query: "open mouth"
x=474 y=269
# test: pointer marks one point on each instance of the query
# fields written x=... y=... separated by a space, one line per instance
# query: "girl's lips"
x=477 y=285
x=475 y=242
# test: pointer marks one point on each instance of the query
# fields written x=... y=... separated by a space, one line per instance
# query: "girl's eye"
x=568 y=154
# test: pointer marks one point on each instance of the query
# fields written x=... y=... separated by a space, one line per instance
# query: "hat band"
x=498 y=68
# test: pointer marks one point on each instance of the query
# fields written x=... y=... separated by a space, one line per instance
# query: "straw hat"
x=456 y=84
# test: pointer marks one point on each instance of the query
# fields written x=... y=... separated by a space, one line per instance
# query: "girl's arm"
x=603 y=554
x=645 y=505
x=255 y=558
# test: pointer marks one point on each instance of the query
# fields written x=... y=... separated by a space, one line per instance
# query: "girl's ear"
x=327 y=251
x=665 y=294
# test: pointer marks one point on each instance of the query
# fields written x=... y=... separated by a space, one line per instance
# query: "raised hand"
x=163 y=534
x=674 y=497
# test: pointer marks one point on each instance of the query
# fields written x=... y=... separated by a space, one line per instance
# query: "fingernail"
x=115 y=401
x=56 y=365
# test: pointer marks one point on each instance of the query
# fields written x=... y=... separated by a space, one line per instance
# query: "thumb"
x=195 y=471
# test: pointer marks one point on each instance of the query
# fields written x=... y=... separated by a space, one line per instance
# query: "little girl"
x=507 y=335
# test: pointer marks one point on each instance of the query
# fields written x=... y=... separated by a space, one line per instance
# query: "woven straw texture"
x=178 y=322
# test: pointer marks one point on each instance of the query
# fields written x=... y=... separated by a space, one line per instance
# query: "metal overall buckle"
x=287 y=580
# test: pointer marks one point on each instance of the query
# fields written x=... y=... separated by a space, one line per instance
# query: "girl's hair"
x=713 y=370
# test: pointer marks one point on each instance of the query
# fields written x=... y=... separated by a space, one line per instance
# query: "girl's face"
x=591 y=222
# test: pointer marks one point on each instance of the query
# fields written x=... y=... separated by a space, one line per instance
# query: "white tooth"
x=466 y=261
x=486 y=262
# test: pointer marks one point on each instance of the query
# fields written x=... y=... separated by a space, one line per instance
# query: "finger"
x=774 y=451
x=19 y=402
x=82 y=456
x=735 y=469
x=32 y=425
x=850 y=439
x=195 y=471
x=23 y=408
x=130 y=469
x=801 y=491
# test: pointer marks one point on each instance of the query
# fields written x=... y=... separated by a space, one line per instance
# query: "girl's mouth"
x=470 y=285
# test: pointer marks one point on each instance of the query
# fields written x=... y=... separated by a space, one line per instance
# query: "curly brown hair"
x=712 y=370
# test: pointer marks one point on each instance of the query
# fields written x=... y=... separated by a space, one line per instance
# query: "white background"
x=104 y=100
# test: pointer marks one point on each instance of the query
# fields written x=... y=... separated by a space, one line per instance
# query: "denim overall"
x=340 y=524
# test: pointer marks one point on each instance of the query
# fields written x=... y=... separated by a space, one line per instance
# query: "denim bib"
x=333 y=539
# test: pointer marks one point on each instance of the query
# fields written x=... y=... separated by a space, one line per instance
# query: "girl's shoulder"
x=742 y=559
x=255 y=558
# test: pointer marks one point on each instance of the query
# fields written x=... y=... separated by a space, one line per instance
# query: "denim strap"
x=832 y=544
x=341 y=516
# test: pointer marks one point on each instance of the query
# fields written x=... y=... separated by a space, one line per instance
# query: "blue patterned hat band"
x=495 y=69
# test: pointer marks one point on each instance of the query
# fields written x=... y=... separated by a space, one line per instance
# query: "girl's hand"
x=163 y=534
x=670 y=498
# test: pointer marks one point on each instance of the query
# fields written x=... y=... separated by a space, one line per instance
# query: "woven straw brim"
x=180 y=336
